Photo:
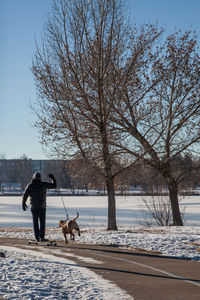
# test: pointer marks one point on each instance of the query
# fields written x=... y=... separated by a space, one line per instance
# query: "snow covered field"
x=25 y=275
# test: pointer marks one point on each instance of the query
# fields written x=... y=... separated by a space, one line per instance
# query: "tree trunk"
x=111 y=205
x=173 y=193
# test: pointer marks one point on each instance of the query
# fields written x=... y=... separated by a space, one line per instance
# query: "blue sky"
x=20 y=22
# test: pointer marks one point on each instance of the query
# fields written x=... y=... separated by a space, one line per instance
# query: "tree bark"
x=173 y=193
x=111 y=204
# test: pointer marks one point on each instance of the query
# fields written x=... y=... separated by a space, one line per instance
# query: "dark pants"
x=39 y=220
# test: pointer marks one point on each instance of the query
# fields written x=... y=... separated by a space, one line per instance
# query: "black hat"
x=37 y=175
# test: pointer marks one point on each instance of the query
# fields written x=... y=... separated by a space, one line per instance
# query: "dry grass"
x=195 y=243
x=147 y=251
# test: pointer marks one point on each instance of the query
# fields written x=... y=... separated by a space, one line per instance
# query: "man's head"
x=37 y=175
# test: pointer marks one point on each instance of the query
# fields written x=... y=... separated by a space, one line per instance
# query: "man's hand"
x=24 y=206
x=51 y=176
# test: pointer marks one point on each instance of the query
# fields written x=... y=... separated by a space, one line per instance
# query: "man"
x=36 y=189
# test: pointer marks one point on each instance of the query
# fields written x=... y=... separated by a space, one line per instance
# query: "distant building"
x=11 y=187
x=20 y=171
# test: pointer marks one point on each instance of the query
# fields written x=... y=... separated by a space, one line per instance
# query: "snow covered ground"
x=31 y=275
x=25 y=275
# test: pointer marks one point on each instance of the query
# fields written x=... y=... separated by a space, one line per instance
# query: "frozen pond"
x=92 y=210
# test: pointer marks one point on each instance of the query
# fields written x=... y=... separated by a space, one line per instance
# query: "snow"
x=25 y=274
x=31 y=275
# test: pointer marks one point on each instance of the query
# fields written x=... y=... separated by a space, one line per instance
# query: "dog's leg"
x=65 y=236
x=72 y=236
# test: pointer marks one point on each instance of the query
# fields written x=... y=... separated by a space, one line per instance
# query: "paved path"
x=143 y=276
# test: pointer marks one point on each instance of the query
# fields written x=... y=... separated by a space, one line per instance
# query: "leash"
x=64 y=206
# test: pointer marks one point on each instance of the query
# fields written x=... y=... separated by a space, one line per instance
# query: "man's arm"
x=25 y=196
x=51 y=185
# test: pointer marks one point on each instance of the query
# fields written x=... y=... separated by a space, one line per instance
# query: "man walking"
x=36 y=189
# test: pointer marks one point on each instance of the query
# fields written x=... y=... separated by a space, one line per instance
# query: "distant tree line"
x=78 y=175
x=83 y=176
x=186 y=168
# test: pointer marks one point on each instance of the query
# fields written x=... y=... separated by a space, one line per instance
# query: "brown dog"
x=68 y=226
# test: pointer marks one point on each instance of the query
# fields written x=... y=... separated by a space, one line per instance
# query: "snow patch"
x=28 y=274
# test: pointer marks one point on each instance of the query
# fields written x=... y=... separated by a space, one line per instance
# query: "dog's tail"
x=76 y=217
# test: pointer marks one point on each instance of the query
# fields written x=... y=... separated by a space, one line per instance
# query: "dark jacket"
x=36 y=189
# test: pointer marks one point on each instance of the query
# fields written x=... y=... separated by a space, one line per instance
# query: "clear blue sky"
x=20 y=22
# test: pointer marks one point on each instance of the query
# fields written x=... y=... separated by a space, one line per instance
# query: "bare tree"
x=86 y=43
x=157 y=209
x=196 y=173
x=163 y=122
x=82 y=41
